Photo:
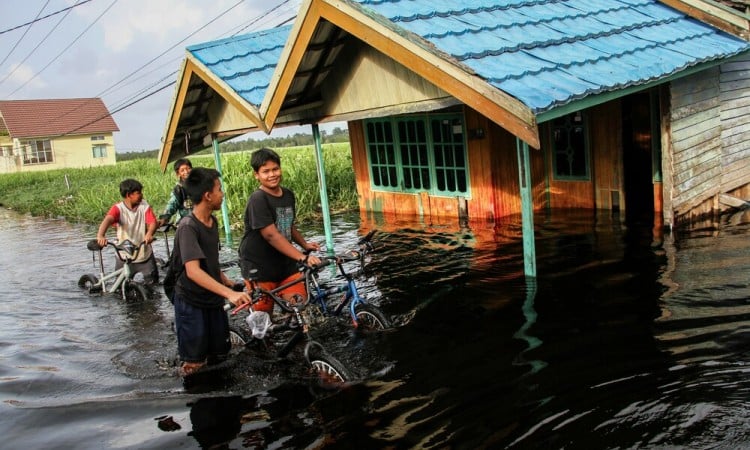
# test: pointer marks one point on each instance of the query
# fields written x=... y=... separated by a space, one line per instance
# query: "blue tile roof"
x=548 y=53
x=246 y=63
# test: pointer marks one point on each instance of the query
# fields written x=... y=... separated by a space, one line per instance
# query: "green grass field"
x=85 y=195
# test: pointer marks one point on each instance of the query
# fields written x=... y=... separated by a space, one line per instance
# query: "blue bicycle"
x=364 y=316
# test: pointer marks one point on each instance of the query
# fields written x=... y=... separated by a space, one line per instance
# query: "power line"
x=45 y=17
x=65 y=49
x=23 y=35
x=49 y=33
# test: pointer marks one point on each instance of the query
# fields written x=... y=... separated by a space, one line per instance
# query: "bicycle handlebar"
x=126 y=246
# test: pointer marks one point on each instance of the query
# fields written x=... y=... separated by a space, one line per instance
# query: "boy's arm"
x=201 y=278
x=279 y=242
x=171 y=208
x=151 y=225
x=300 y=240
x=103 y=227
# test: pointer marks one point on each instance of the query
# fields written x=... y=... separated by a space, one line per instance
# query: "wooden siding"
x=605 y=148
x=696 y=139
x=734 y=85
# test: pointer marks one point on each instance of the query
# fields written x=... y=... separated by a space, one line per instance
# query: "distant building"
x=54 y=134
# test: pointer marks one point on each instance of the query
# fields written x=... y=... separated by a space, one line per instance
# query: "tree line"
x=336 y=135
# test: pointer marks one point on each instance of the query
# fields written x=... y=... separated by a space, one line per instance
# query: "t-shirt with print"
x=255 y=252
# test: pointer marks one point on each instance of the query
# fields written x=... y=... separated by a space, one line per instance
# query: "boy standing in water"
x=201 y=322
x=136 y=222
x=267 y=245
x=178 y=199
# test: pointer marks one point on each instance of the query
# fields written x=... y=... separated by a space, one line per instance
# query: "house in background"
x=635 y=107
x=55 y=133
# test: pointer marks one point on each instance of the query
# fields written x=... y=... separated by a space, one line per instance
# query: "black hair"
x=200 y=181
x=129 y=186
x=262 y=156
x=182 y=162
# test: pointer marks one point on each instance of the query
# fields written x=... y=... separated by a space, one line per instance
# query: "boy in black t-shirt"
x=201 y=322
x=267 y=245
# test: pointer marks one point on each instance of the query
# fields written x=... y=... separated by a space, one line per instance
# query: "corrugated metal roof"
x=246 y=63
x=56 y=117
x=549 y=53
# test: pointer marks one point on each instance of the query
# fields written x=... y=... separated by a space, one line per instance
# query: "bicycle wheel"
x=370 y=318
x=237 y=337
x=135 y=292
x=89 y=282
x=329 y=371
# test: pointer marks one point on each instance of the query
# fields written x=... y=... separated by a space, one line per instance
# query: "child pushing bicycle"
x=201 y=322
x=136 y=222
x=267 y=252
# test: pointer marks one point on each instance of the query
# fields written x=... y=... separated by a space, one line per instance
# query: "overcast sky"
x=124 y=51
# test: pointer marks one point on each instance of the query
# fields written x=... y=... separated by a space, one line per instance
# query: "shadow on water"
x=626 y=339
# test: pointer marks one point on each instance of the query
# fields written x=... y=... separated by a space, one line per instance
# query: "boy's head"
x=130 y=186
x=182 y=168
x=203 y=180
x=262 y=156
x=132 y=192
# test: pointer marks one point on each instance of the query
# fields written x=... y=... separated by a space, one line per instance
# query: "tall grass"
x=88 y=193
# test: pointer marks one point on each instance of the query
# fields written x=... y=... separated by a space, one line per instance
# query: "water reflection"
x=626 y=339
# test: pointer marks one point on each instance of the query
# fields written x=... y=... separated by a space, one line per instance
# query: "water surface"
x=624 y=340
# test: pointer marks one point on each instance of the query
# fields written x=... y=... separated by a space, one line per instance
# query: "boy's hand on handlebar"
x=102 y=241
x=239 y=299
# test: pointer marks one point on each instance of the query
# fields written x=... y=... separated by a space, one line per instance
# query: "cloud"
x=20 y=74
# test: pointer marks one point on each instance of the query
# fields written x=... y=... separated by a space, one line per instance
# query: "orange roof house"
x=50 y=134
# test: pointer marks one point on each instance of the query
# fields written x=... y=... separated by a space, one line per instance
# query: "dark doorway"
x=637 y=157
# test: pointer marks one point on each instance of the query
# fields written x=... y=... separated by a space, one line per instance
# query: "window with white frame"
x=97 y=138
x=37 y=152
x=99 y=151
x=418 y=153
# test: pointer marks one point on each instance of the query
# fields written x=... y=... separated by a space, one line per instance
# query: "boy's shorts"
x=266 y=304
x=201 y=333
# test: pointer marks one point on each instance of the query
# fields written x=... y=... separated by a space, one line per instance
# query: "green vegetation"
x=84 y=195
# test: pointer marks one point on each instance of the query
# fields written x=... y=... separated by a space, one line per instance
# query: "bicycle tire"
x=370 y=318
x=329 y=371
x=237 y=337
x=89 y=282
x=134 y=291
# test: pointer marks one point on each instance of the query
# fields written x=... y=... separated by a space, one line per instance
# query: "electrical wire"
x=24 y=34
x=45 y=17
x=37 y=46
x=65 y=49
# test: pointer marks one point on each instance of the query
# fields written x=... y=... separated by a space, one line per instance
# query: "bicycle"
x=364 y=316
x=165 y=229
x=327 y=368
x=121 y=279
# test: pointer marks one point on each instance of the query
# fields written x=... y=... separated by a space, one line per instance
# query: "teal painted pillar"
x=527 y=208
x=224 y=208
x=323 y=188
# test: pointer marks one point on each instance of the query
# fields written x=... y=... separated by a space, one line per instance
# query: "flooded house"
x=48 y=134
x=480 y=110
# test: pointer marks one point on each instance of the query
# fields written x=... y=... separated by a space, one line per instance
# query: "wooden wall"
x=695 y=140
x=493 y=172
x=734 y=88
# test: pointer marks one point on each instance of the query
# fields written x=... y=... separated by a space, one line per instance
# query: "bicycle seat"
x=93 y=245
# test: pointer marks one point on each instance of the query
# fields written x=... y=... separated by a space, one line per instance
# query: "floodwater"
x=624 y=340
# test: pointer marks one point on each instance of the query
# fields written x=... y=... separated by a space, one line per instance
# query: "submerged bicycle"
x=317 y=305
x=119 y=281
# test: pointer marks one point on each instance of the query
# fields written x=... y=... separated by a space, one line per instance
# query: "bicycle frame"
x=121 y=274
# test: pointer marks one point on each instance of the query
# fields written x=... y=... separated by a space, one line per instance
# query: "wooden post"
x=527 y=208
x=224 y=208
x=323 y=188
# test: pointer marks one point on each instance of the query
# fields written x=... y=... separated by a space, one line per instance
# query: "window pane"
x=569 y=147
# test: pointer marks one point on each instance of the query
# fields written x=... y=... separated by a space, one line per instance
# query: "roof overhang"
x=714 y=13
x=204 y=108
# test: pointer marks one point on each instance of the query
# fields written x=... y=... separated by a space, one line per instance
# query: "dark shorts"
x=202 y=334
